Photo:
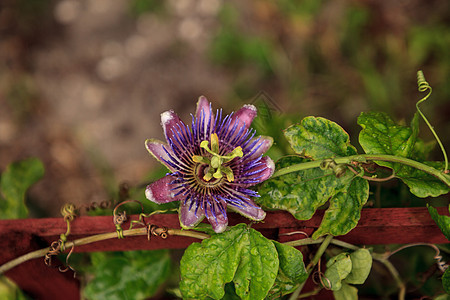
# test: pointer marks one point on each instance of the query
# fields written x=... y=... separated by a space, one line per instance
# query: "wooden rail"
x=376 y=226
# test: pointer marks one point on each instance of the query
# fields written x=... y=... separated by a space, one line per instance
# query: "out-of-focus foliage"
x=14 y=183
x=335 y=59
x=127 y=275
x=9 y=290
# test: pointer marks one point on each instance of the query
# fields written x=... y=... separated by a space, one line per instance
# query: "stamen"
x=217 y=161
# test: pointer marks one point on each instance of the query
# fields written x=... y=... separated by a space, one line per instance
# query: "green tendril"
x=68 y=211
x=119 y=219
x=142 y=216
x=423 y=86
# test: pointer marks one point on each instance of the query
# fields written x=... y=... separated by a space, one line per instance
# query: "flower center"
x=215 y=162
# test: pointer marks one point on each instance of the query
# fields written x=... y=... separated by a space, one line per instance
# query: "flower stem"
x=96 y=238
x=363 y=158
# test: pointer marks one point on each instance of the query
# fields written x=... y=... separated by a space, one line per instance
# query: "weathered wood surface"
x=376 y=226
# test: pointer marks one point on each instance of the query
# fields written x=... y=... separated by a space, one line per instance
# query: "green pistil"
x=216 y=161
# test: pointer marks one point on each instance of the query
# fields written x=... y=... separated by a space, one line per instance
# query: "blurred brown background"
x=82 y=83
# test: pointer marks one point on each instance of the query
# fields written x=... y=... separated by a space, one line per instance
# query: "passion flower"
x=212 y=164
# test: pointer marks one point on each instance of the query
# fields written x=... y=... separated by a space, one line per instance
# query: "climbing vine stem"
x=96 y=238
x=360 y=158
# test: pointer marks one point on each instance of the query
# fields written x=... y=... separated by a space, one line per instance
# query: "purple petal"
x=219 y=223
x=269 y=170
x=245 y=115
x=261 y=147
x=204 y=114
x=169 y=121
x=155 y=148
x=190 y=218
x=161 y=191
x=251 y=210
x=266 y=168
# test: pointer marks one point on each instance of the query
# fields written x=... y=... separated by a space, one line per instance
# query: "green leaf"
x=422 y=149
x=446 y=281
x=258 y=267
x=345 y=209
x=14 y=183
x=319 y=138
x=347 y=292
x=423 y=184
x=380 y=135
x=361 y=266
x=338 y=268
x=442 y=221
x=291 y=262
x=292 y=271
x=302 y=192
x=206 y=267
x=128 y=275
x=241 y=255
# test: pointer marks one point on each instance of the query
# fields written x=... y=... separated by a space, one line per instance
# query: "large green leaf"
x=345 y=209
x=127 y=275
x=380 y=135
x=338 y=268
x=346 y=292
x=14 y=183
x=258 y=267
x=302 y=192
x=241 y=255
x=423 y=184
x=442 y=221
x=422 y=149
x=361 y=266
x=319 y=138
x=292 y=271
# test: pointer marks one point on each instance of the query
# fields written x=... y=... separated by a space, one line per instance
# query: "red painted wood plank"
x=385 y=226
x=33 y=277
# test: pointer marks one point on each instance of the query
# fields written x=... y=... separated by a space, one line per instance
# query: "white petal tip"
x=251 y=107
x=219 y=228
x=270 y=165
x=261 y=215
x=149 y=195
x=166 y=117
